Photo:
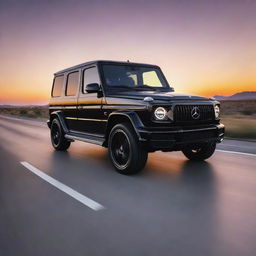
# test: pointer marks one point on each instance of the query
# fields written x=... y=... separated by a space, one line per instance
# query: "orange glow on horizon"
x=42 y=95
x=26 y=92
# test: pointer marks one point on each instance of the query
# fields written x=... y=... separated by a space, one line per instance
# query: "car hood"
x=156 y=95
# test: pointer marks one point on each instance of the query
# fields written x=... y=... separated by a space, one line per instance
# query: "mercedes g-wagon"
x=130 y=109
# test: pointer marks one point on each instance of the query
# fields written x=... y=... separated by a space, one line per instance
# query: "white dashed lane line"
x=235 y=152
x=64 y=188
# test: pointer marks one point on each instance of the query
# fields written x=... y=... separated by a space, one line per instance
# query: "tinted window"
x=90 y=76
x=72 y=83
x=57 y=86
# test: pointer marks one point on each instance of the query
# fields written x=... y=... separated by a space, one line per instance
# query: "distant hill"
x=248 y=95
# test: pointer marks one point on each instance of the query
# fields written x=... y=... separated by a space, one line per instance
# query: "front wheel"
x=199 y=152
x=125 y=151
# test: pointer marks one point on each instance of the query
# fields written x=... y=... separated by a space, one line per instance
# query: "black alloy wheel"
x=199 y=152
x=59 y=142
x=125 y=151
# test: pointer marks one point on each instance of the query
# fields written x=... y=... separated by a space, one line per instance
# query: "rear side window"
x=72 y=84
x=57 y=86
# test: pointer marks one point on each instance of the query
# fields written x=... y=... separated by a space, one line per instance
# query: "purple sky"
x=205 y=47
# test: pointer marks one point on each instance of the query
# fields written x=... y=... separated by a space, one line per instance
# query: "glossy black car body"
x=91 y=113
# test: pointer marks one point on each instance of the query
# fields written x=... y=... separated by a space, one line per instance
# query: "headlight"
x=160 y=113
x=217 y=111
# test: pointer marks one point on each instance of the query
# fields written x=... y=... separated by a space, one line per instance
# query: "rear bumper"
x=48 y=123
x=177 y=137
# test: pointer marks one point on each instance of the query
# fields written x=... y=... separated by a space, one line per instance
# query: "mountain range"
x=246 y=95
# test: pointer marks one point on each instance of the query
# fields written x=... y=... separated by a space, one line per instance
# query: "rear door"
x=70 y=98
x=90 y=115
x=55 y=103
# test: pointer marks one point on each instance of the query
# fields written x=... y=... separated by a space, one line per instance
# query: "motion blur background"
x=203 y=47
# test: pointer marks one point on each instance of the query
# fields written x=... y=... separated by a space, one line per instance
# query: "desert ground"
x=238 y=116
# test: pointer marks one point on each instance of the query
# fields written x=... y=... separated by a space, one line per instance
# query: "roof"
x=99 y=61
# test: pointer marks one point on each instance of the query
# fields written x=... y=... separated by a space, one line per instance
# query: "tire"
x=57 y=136
x=199 y=152
x=125 y=151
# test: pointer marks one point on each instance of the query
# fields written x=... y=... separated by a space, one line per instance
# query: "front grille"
x=184 y=113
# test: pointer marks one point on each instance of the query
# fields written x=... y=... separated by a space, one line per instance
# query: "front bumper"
x=176 y=138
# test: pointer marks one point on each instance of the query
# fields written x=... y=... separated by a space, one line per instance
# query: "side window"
x=72 y=83
x=57 y=86
x=90 y=76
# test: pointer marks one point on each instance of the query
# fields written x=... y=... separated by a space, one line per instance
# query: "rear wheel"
x=199 y=152
x=125 y=151
x=59 y=142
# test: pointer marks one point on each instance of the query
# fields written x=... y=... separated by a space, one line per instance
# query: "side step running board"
x=86 y=138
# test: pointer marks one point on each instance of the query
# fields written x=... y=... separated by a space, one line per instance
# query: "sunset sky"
x=203 y=47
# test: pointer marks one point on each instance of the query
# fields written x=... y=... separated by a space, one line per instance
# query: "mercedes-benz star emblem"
x=195 y=112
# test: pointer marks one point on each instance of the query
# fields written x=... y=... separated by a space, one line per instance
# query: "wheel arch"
x=59 y=115
x=123 y=117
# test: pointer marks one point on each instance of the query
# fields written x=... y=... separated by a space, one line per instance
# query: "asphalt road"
x=174 y=207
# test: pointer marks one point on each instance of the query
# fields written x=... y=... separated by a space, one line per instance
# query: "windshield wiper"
x=143 y=87
x=120 y=86
x=137 y=88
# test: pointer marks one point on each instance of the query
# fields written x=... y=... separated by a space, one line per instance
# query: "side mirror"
x=93 y=87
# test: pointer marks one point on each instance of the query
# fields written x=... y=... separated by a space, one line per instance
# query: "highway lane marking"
x=64 y=188
x=238 y=146
x=40 y=122
x=235 y=152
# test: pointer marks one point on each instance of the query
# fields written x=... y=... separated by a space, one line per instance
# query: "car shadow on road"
x=92 y=158
x=198 y=176
x=179 y=171
x=171 y=169
x=192 y=170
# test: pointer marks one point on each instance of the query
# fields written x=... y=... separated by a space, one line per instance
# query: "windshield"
x=134 y=77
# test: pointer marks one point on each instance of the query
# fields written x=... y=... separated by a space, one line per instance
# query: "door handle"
x=80 y=107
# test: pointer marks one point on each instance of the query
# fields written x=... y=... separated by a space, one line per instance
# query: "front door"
x=90 y=118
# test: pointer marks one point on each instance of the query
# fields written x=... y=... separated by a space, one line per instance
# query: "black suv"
x=130 y=109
